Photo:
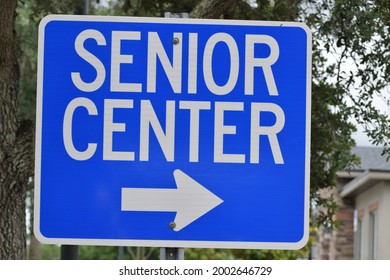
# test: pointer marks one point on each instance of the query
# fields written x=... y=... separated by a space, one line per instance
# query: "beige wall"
x=377 y=198
x=385 y=222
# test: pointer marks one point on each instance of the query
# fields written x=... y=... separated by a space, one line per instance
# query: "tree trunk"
x=16 y=142
x=34 y=251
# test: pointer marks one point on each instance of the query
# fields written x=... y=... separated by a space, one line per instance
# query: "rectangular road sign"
x=173 y=132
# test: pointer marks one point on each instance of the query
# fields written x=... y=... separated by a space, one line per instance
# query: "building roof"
x=372 y=169
x=363 y=182
x=371 y=158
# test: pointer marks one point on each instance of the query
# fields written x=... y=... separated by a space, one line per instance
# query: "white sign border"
x=168 y=243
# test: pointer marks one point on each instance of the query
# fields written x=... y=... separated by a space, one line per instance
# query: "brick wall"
x=337 y=243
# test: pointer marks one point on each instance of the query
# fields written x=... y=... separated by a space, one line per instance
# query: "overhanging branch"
x=211 y=8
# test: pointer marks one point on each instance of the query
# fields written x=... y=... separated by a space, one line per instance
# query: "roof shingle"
x=371 y=158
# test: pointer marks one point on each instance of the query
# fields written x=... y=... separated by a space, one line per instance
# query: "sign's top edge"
x=96 y=18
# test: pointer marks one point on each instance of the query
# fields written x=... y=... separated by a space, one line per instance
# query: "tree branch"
x=211 y=8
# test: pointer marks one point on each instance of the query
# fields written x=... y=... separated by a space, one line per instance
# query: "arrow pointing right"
x=190 y=200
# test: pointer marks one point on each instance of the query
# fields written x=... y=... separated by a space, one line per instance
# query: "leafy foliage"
x=112 y=253
x=50 y=252
x=358 y=33
x=208 y=254
x=357 y=29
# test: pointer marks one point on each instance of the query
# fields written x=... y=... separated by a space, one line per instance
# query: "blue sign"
x=173 y=132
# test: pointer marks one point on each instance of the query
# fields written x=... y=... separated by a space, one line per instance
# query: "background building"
x=363 y=196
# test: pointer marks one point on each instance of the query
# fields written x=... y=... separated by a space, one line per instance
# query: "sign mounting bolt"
x=175 y=40
x=172 y=225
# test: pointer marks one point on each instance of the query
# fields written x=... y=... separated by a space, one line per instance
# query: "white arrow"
x=190 y=200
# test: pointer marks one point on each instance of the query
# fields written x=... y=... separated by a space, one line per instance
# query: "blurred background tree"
x=357 y=34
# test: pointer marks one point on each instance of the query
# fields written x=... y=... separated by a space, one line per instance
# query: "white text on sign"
x=148 y=118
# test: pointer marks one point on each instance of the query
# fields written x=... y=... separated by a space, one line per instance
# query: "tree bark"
x=211 y=8
x=34 y=250
x=16 y=142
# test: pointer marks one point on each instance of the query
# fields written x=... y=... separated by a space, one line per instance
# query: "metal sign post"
x=69 y=252
x=173 y=253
